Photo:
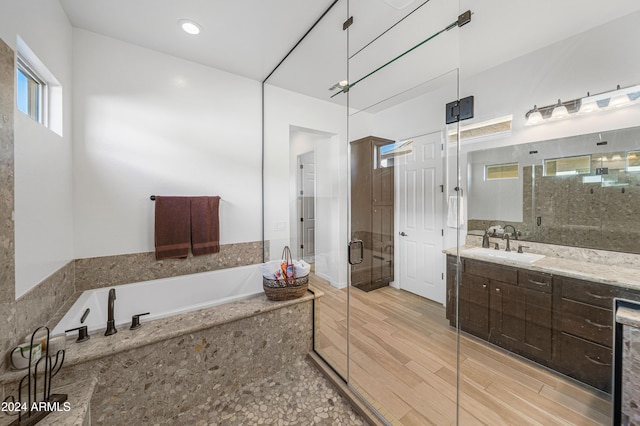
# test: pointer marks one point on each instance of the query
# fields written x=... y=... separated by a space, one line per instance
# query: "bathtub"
x=163 y=297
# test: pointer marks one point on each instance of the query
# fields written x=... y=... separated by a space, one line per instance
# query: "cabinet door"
x=451 y=290
x=586 y=361
x=507 y=319
x=538 y=331
x=382 y=242
x=383 y=191
x=474 y=305
x=361 y=166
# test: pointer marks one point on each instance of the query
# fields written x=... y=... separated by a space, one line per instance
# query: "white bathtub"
x=163 y=297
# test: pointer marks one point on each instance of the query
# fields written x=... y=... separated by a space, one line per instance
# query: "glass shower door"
x=305 y=169
x=402 y=352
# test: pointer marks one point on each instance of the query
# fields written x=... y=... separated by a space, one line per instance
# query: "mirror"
x=581 y=191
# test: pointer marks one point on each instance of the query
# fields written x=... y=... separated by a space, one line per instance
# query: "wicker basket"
x=285 y=289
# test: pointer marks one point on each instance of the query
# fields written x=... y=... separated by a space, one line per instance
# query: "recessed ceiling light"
x=190 y=26
x=339 y=85
x=399 y=4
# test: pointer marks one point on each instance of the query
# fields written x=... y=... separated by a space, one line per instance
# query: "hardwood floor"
x=403 y=361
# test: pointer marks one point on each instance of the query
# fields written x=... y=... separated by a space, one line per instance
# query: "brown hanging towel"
x=205 y=225
x=172 y=230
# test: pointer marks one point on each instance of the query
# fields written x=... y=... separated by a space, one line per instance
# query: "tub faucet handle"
x=135 y=321
x=83 y=333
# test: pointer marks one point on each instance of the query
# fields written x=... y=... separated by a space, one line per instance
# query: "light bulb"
x=588 y=105
x=560 y=111
x=534 y=118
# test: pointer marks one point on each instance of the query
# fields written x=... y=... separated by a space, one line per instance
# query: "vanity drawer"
x=535 y=280
x=491 y=270
x=588 y=362
x=587 y=292
x=586 y=321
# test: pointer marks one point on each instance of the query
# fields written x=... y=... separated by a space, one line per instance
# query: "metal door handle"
x=351 y=261
x=403 y=234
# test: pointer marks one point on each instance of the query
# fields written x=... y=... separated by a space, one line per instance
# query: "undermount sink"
x=511 y=256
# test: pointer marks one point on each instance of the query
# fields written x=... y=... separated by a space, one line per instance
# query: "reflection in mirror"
x=578 y=191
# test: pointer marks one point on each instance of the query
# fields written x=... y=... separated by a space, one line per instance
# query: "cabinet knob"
x=497 y=290
x=484 y=286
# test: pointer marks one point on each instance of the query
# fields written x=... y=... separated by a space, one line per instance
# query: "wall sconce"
x=613 y=99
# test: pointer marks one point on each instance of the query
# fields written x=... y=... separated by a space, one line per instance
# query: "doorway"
x=306 y=190
x=420 y=229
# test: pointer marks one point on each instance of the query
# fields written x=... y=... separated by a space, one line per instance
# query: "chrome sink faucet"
x=506 y=236
x=111 y=324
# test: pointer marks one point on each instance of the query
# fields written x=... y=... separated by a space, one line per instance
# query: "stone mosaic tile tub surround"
x=171 y=365
x=297 y=395
x=44 y=301
x=105 y=271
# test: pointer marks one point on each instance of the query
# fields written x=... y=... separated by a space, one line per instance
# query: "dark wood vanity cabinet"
x=584 y=330
x=505 y=306
x=372 y=206
x=560 y=322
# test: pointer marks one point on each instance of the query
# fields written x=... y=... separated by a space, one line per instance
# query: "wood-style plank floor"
x=403 y=361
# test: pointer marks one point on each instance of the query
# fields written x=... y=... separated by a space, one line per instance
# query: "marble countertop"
x=628 y=316
x=620 y=276
x=99 y=346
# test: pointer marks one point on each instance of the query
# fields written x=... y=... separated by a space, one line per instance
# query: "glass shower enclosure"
x=393 y=143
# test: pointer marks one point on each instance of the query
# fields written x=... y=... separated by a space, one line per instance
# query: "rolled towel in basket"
x=302 y=268
x=270 y=268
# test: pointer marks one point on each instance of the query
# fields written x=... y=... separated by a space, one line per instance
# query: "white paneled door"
x=420 y=219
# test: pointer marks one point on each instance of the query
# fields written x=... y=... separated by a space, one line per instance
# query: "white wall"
x=595 y=61
x=43 y=172
x=282 y=110
x=148 y=123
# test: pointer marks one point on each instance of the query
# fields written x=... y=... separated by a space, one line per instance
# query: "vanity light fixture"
x=619 y=98
x=190 y=27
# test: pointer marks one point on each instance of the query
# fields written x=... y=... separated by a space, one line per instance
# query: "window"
x=39 y=94
x=385 y=154
x=501 y=171
x=568 y=166
x=633 y=161
x=31 y=91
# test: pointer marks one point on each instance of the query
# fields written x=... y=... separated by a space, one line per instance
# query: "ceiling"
x=250 y=37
